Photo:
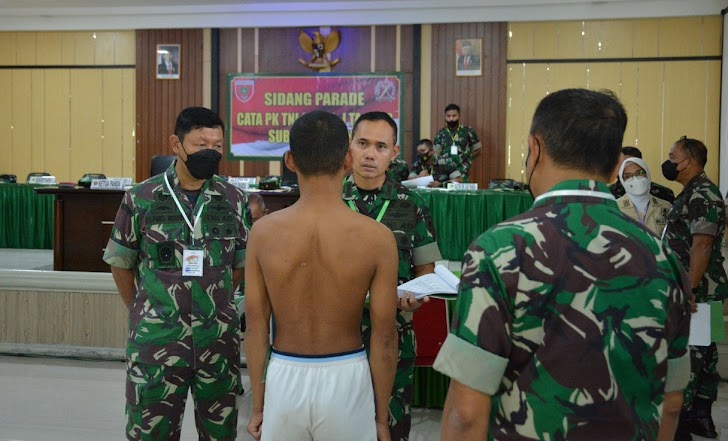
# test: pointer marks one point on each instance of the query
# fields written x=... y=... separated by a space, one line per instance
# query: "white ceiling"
x=19 y=15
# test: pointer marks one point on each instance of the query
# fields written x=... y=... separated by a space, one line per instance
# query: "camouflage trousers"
x=400 y=418
x=156 y=395
x=704 y=376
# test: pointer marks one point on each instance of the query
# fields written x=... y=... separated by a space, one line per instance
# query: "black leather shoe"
x=701 y=421
x=682 y=434
x=703 y=427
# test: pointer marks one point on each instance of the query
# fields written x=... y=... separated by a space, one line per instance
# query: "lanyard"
x=457 y=134
x=179 y=207
x=381 y=212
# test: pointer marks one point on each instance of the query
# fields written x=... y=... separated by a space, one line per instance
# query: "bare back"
x=317 y=264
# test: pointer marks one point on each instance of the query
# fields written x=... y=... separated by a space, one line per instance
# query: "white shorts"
x=322 y=398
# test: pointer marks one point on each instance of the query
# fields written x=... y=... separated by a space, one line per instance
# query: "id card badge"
x=453 y=149
x=192 y=261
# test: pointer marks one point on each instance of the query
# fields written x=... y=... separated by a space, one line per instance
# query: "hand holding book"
x=440 y=284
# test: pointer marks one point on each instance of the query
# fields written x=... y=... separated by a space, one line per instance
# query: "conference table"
x=26 y=217
x=459 y=217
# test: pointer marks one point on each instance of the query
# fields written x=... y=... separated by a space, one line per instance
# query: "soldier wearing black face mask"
x=457 y=142
x=177 y=252
x=442 y=169
x=694 y=230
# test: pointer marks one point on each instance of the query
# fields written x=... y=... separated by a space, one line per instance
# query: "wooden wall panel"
x=51 y=105
x=406 y=66
x=63 y=318
x=159 y=101
x=6 y=115
x=664 y=98
x=482 y=99
x=86 y=127
x=385 y=47
x=58 y=125
x=22 y=128
x=37 y=142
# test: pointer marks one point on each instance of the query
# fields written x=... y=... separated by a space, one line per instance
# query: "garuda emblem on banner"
x=244 y=89
x=320 y=48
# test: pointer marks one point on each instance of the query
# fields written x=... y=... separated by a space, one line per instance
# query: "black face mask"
x=203 y=164
x=453 y=124
x=424 y=158
x=669 y=170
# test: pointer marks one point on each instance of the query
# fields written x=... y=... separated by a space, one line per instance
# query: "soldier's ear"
x=174 y=143
x=288 y=159
x=395 y=150
x=348 y=161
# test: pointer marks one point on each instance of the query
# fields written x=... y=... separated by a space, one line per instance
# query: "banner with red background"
x=262 y=108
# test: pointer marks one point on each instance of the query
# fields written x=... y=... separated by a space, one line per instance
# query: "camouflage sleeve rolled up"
x=677 y=330
x=416 y=169
x=398 y=170
x=446 y=170
x=473 y=139
x=122 y=250
x=442 y=141
x=482 y=302
x=425 y=248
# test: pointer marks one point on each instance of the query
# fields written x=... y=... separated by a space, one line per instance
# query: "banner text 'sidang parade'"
x=263 y=108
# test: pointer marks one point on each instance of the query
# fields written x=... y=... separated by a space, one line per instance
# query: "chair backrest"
x=160 y=163
x=8 y=178
x=36 y=174
x=288 y=178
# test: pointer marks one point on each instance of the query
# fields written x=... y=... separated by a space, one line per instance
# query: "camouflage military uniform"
x=656 y=217
x=699 y=209
x=467 y=143
x=573 y=318
x=398 y=170
x=183 y=331
x=656 y=190
x=443 y=170
x=409 y=218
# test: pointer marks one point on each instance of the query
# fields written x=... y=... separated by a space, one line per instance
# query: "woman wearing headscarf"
x=637 y=202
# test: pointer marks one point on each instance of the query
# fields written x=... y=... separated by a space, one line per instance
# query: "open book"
x=441 y=284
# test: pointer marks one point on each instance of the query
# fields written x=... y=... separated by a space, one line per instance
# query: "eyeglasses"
x=640 y=173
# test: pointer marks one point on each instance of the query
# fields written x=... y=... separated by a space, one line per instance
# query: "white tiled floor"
x=50 y=399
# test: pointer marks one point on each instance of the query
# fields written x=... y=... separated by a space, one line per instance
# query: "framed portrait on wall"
x=168 y=61
x=468 y=57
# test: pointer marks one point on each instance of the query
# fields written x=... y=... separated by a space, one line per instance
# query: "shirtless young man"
x=311 y=265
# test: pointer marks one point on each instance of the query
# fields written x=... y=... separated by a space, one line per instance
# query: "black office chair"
x=160 y=163
x=86 y=179
x=288 y=178
x=30 y=175
x=8 y=179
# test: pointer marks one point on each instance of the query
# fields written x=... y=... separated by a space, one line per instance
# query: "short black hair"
x=193 y=118
x=376 y=116
x=695 y=149
x=319 y=142
x=632 y=151
x=426 y=142
x=256 y=199
x=581 y=129
x=452 y=107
